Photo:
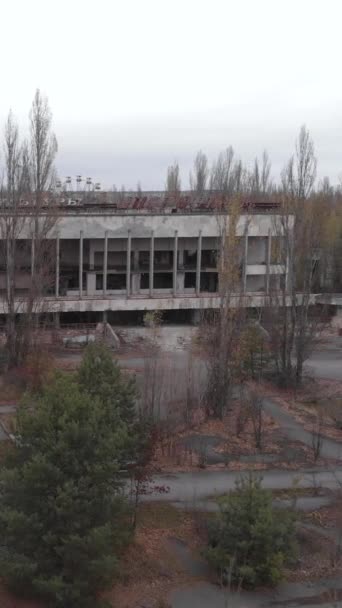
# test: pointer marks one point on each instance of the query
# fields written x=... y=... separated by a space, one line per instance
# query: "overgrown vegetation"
x=250 y=541
x=63 y=517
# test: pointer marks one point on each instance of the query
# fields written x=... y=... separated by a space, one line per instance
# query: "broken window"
x=190 y=280
x=190 y=258
x=209 y=282
x=116 y=281
x=144 y=280
x=163 y=259
x=163 y=280
x=144 y=259
x=209 y=258
x=99 y=281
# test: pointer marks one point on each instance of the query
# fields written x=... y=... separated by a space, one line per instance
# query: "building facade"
x=110 y=259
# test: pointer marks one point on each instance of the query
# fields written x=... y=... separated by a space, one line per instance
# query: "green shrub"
x=63 y=520
x=250 y=541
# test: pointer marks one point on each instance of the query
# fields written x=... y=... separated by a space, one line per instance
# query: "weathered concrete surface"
x=191 y=564
x=167 y=337
x=295 y=431
x=326 y=361
x=326 y=593
x=195 y=486
x=98 y=303
x=164 y=225
x=303 y=503
x=79 y=341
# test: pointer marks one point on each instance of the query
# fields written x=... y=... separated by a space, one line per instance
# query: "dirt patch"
x=215 y=444
x=329 y=517
x=315 y=558
x=7 y=600
x=8 y=422
x=319 y=398
x=151 y=566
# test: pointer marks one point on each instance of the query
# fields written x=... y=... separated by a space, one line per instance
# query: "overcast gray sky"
x=135 y=84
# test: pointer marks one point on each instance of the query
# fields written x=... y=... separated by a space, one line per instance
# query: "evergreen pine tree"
x=101 y=377
x=250 y=540
x=63 y=521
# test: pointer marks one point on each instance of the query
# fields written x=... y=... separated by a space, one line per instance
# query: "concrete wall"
x=255 y=283
x=190 y=230
x=163 y=225
x=121 y=303
x=168 y=338
x=257 y=250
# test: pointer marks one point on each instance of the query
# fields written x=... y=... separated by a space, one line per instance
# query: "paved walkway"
x=325 y=594
x=199 y=485
x=295 y=430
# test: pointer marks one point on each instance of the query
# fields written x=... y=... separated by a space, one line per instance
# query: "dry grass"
x=150 y=569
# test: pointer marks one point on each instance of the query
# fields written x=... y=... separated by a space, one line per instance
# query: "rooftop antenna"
x=88 y=183
x=68 y=183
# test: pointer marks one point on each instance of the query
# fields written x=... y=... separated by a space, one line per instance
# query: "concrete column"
x=91 y=255
x=180 y=273
x=57 y=267
x=268 y=261
x=245 y=260
x=128 y=264
x=80 y=269
x=91 y=283
x=105 y=263
x=289 y=260
x=136 y=260
x=33 y=255
x=151 y=263
x=175 y=260
x=287 y=273
x=196 y=317
x=198 y=265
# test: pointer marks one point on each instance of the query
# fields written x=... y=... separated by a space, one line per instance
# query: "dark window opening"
x=116 y=260
x=163 y=260
x=69 y=281
x=190 y=258
x=99 y=281
x=209 y=282
x=209 y=258
x=190 y=280
x=144 y=259
x=163 y=280
x=116 y=281
x=144 y=280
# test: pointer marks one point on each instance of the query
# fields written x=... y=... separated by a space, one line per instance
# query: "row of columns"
x=151 y=265
x=128 y=264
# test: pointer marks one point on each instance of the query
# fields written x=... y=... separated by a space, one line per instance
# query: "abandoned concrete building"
x=148 y=253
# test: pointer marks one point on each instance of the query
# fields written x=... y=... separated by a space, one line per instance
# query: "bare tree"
x=43 y=146
x=265 y=177
x=306 y=163
x=199 y=175
x=317 y=436
x=221 y=174
x=28 y=217
x=294 y=323
x=173 y=181
x=11 y=227
x=222 y=329
x=256 y=414
x=298 y=176
x=288 y=180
